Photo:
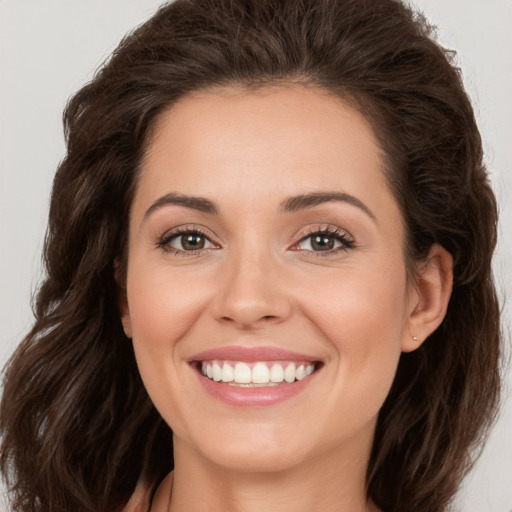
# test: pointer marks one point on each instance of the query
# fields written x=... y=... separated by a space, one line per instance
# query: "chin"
x=258 y=461
x=256 y=450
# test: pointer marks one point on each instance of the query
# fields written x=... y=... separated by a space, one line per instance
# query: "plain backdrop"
x=49 y=48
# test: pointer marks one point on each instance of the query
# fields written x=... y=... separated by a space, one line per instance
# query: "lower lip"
x=254 y=397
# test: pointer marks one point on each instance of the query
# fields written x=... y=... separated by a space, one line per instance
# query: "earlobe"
x=127 y=324
x=122 y=300
x=430 y=297
x=124 y=311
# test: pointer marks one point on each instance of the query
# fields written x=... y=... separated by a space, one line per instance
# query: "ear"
x=122 y=299
x=429 y=296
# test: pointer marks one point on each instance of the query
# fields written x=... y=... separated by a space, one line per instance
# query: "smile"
x=256 y=374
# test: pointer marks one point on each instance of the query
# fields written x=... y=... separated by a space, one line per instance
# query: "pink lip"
x=251 y=354
x=252 y=396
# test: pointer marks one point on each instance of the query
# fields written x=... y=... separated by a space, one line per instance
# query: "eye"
x=325 y=240
x=186 y=241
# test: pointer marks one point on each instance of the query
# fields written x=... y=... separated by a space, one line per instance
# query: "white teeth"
x=216 y=371
x=276 y=373
x=228 y=375
x=289 y=373
x=300 y=373
x=242 y=373
x=262 y=373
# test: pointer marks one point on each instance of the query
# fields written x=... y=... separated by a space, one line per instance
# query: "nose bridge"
x=251 y=294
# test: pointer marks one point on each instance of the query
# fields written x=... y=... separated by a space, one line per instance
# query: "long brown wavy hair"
x=78 y=429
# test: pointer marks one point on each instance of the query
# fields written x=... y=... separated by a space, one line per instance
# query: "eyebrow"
x=292 y=204
x=304 y=201
x=195 y=203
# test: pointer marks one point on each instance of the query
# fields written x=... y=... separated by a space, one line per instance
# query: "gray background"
x=49 y=48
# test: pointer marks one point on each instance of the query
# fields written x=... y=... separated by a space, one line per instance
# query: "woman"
x=268 y=268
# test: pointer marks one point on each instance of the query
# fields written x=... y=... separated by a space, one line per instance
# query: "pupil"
x=192 y=242
x=322 y=242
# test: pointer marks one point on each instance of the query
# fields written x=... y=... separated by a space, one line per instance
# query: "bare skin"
x=264 y=220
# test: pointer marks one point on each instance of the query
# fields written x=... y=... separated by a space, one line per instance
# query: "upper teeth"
x=256 y=373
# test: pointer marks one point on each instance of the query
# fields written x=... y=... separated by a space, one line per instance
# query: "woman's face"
x=265 y=244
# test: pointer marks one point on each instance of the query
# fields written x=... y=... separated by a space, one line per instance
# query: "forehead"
x=273 y=141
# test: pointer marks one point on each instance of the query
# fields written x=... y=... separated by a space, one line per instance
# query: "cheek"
x=362 y=316
x=358 y=307
x=163 y=310
x=162 y=305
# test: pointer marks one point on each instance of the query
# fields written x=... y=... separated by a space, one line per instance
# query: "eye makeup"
x=186 y=241
x=192 y=240
x=324 y=241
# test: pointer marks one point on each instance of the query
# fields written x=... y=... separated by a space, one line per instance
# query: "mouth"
x=256 y=374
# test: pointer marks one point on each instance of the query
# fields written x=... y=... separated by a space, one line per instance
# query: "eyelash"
x=346 y=241
x=341 y=236
x=168 y=237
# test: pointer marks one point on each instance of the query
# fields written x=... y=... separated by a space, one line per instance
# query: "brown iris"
x=192 y=241
x=322 y=242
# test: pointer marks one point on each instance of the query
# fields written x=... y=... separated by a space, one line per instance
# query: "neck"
x=331 y=482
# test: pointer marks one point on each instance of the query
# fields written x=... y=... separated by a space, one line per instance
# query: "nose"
x=252 y=293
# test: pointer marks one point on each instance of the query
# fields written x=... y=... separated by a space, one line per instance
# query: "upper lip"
x=251 y=354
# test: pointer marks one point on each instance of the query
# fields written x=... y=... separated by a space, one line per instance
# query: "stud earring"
x=415 y=338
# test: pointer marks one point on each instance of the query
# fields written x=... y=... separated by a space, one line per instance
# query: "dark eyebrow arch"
x=301 y=202
x=195 y=203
